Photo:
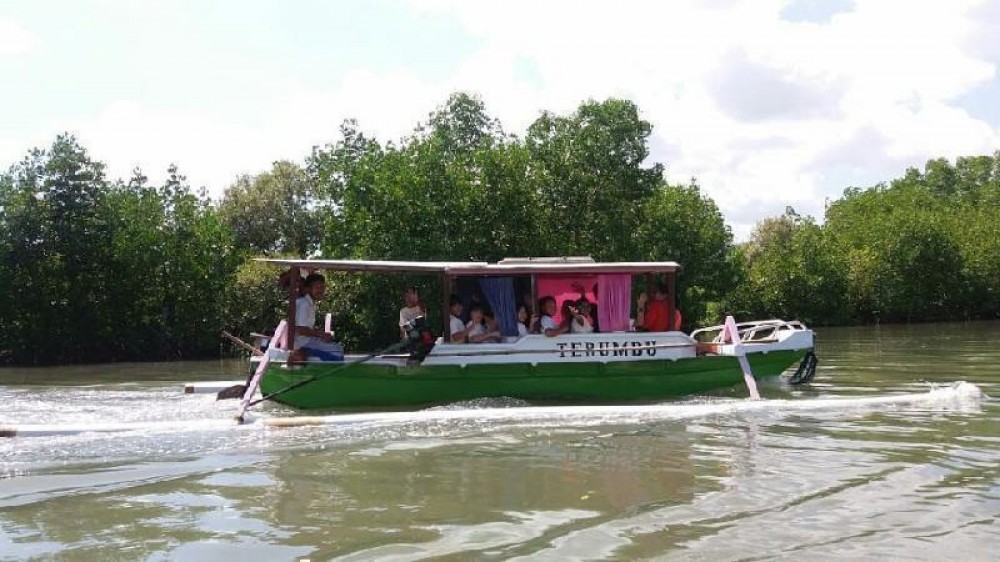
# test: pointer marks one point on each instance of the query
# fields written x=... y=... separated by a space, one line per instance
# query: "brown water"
x=714 y=478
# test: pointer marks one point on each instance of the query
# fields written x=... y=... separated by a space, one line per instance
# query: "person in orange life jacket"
x=653 y=315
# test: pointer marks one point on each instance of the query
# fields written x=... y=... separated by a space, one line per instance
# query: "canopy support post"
x=293 y=296
x=672 y=299
x=534 y=298
x=446 y=308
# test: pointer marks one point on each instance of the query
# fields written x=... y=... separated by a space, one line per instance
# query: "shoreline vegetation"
x=95 y=269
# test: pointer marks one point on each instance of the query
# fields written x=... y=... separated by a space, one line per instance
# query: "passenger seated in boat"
x=493 y=332
x=522 y=321
x=578 y=287
x=580 y=321
x=479 y=331
x=653 y=315
x=546 y=323
x=412 y=308
x=309 y=340
x=458 y=333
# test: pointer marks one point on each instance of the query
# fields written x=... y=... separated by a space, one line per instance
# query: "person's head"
x=455 y=305
x=488 y=314
x=547 y=305
x=567 y=307
x=314 y=285
x=522 y=314
x=583 y=307
x=476 y=314
x=661 y=292
x=411 y=296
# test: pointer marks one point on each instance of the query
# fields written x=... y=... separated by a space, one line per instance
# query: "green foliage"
x=273 y=212
x=459 y=188
x=590 y=178
x=56 y=255
x=791 y=272
x=926 y=247
x=100 y=271
x=97 y=270
x=253 y=301
x=679 y=223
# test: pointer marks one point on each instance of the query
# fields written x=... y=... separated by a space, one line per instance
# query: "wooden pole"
x=534 y=297
x=672 y=299
x=242 y=344
x=293 y=295
x=446 y=308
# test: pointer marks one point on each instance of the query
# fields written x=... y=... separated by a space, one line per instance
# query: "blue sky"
x=768 y=103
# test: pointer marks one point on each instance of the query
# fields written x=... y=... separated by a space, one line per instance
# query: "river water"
x=718 y=477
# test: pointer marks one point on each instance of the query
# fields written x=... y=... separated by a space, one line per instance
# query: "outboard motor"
x=419 y=339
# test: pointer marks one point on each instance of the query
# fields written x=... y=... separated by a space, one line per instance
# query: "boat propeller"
x=806 y=370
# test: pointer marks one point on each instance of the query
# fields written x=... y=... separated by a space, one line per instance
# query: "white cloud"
x=764 y=112
x=721 y=82
x=14 y=38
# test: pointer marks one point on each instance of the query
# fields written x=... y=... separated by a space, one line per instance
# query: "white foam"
x=957 y=395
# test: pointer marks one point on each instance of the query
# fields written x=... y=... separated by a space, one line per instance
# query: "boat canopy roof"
x=508 y=266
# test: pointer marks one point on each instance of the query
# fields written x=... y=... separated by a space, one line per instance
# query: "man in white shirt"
x=412 y=309
x=313 y=342
x=457 y=332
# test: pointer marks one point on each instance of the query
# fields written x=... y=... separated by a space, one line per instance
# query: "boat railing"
x=758 y=331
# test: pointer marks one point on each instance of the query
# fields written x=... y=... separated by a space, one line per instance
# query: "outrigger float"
x=615 y=365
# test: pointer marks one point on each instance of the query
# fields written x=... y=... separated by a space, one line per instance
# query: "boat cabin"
x=511 y=282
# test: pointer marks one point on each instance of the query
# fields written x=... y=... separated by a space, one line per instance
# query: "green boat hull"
x=375 y=386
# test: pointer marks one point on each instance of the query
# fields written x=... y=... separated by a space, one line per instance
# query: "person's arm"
x=494 y=335
x=640 y=311
x=533 y=326
x=555 y=330
x=458 y=336
x=313 y=332
x=478 y=338
x=552 y=332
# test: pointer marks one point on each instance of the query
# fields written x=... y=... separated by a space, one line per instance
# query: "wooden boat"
x=615 y=365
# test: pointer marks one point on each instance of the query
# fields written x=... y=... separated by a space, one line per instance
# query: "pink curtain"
x=614 y=302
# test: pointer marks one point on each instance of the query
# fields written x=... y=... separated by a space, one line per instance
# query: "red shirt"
x=657 y=317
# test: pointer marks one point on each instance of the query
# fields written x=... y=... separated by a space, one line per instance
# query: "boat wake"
x=959 y=395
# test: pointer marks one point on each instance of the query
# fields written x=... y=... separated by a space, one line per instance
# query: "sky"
x=768 y=103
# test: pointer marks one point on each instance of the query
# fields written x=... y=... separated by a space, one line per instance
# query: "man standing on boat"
x=313 y=342
x=413 y=309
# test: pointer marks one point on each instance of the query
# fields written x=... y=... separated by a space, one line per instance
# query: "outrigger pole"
x=280 y=331
x=314 y=378
x=733 y=334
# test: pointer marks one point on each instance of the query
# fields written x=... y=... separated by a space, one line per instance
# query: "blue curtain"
x=499 y=292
